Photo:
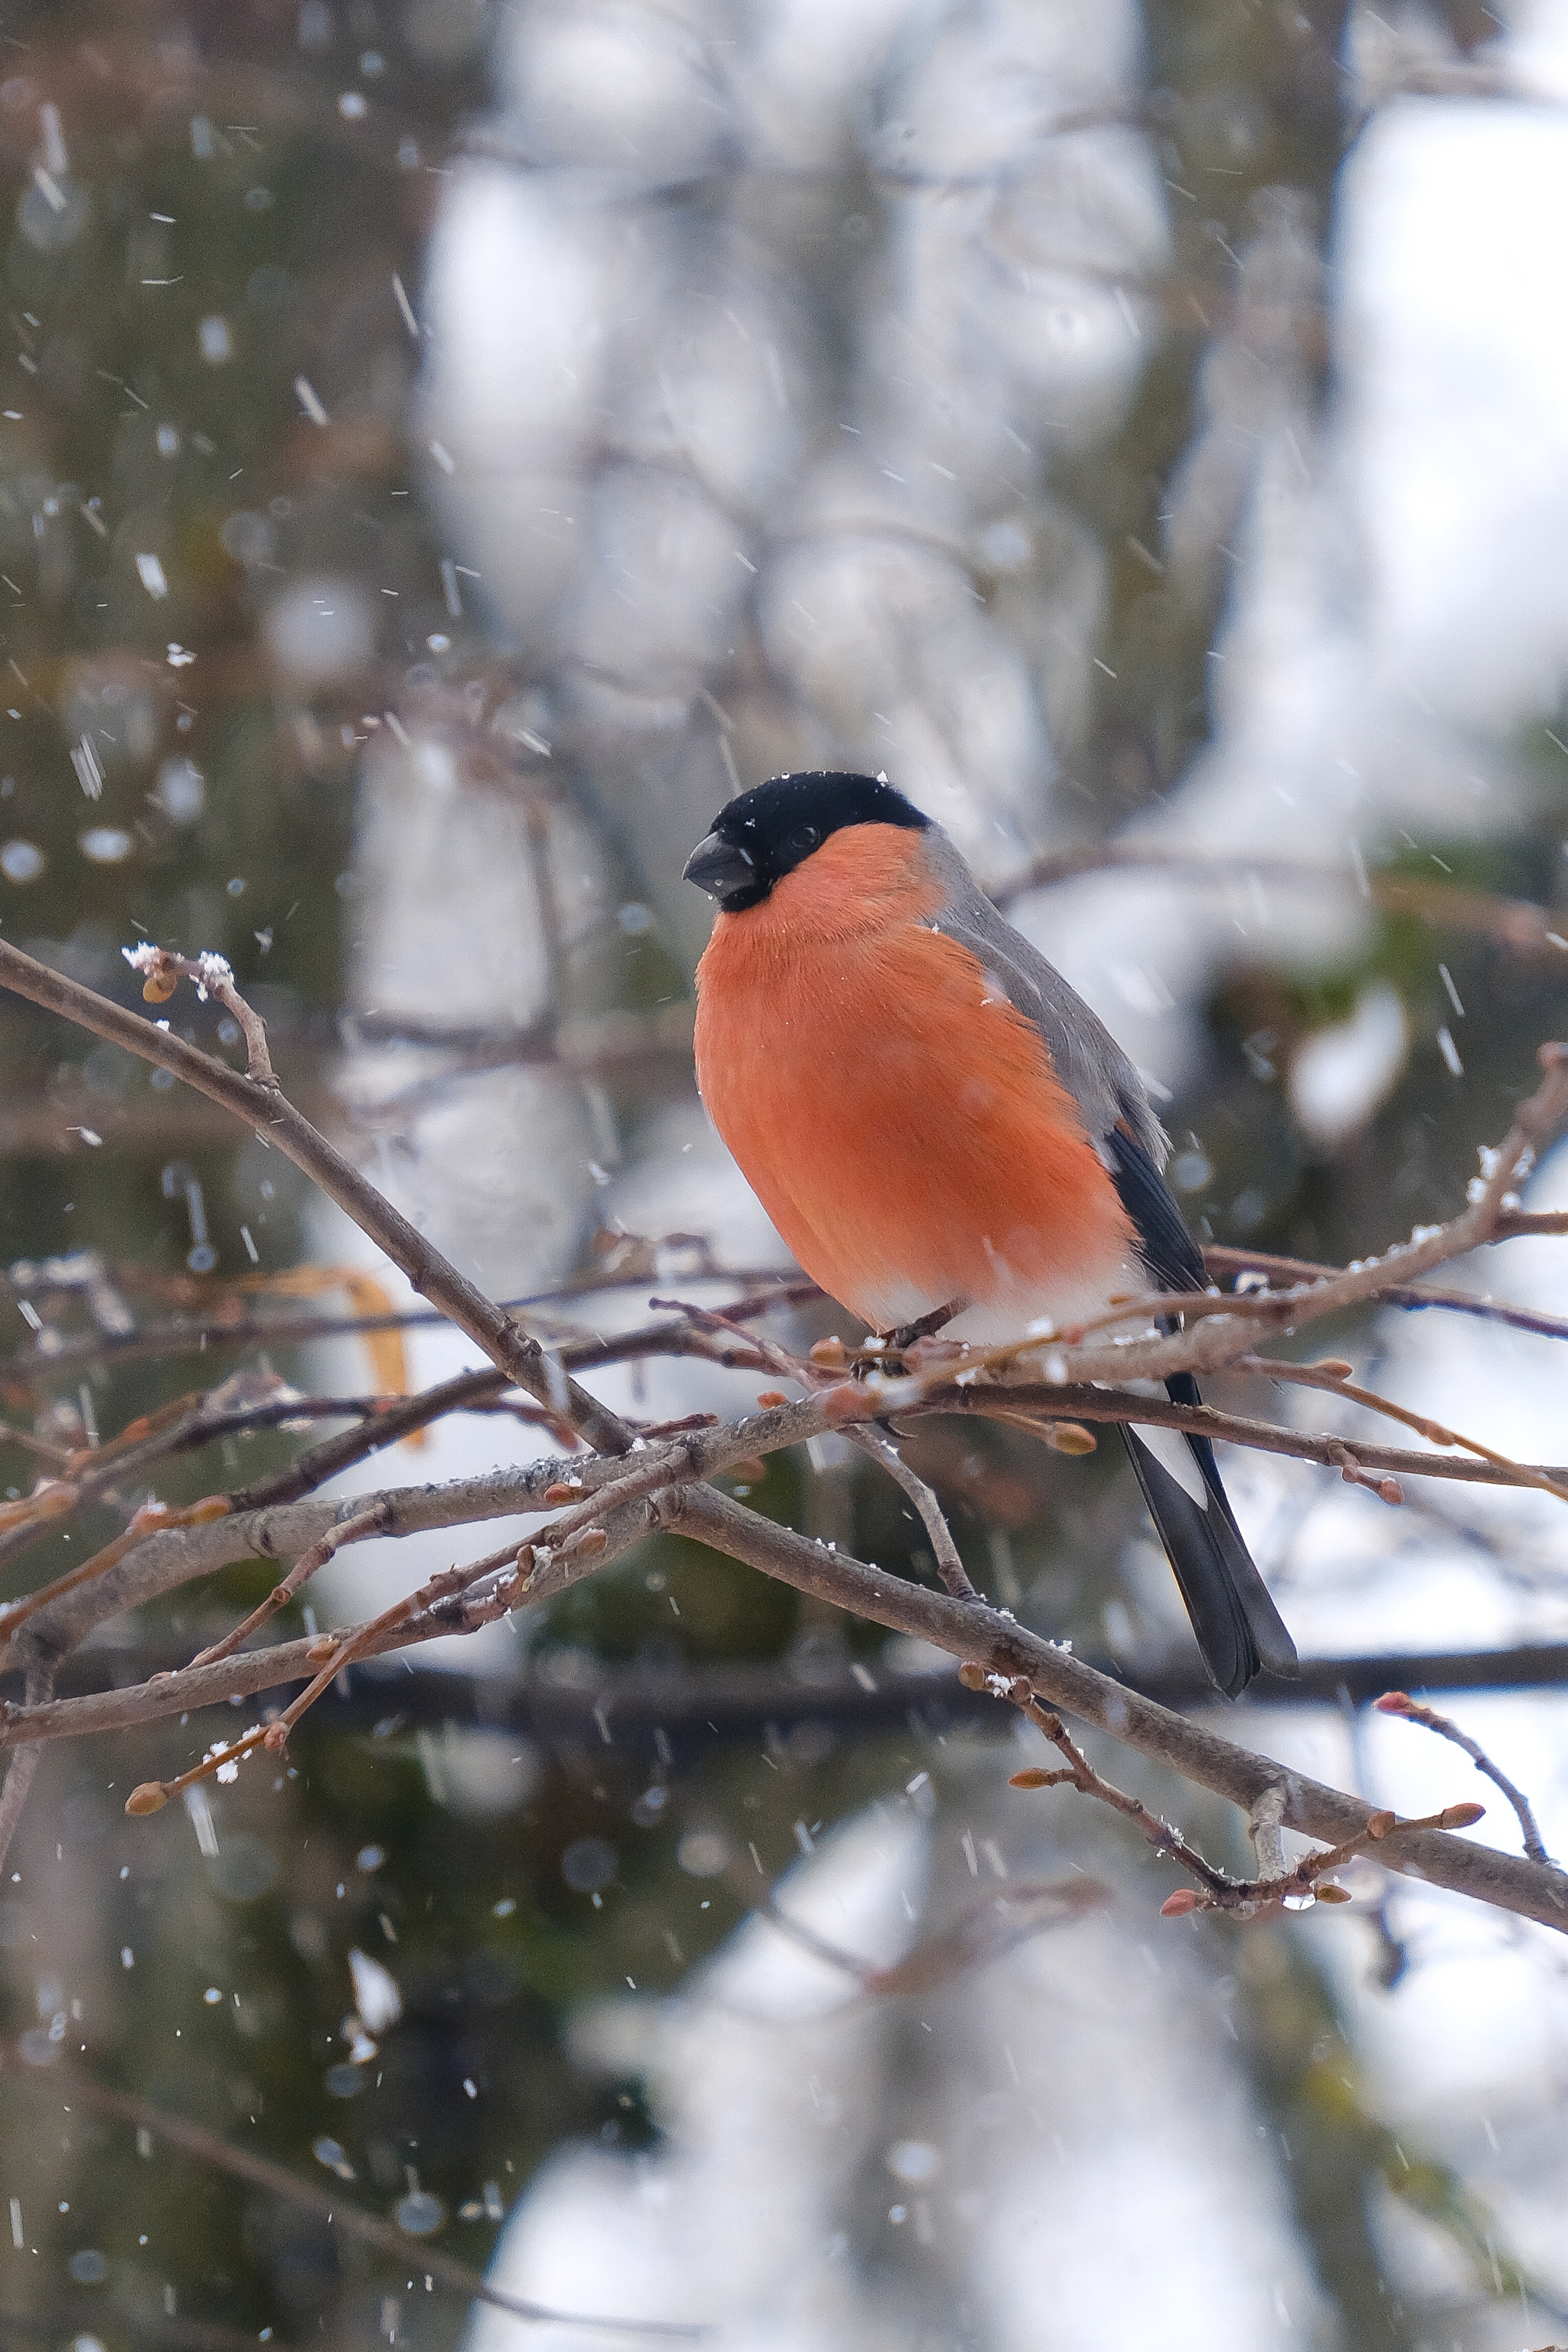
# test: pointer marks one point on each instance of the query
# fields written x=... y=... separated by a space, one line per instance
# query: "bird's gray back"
x=1087 y=1060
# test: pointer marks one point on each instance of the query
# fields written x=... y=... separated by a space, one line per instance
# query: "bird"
x=942 y=1131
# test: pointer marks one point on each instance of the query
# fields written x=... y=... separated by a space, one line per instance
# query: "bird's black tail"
x=1238 y=1629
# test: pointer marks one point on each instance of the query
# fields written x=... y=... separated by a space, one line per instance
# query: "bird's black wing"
x=1238 y=1629
x=1164 y=1243
x=1237 y=1626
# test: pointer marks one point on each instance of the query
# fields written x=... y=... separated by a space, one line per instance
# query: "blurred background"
x=447 y=448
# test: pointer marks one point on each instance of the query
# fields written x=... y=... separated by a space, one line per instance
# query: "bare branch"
x=222 y=1328
x=541 y=868
x=967 y=1630
x=212 y=975
x=149 y=1517
x=971 y=1632
x=266 y=1111
x=981 y=1934
x=948 y=1565
x=364 y=1523
x=244 y=2165
x=1333 y=1376
x=1400 y=1702
x=150 y=1566
x=171 y=1555
x=1080 y=1774
x=96 y=1475
x=392 y=1422
x=1512 y=1226
x=1517 y=924
x=612 y=1501
x=1275 y=1888
x=706 y=1699
x=1025 y=1405
x=57 y=1456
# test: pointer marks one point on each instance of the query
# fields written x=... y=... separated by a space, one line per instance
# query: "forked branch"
x=611 y=1501
x=263 y=1107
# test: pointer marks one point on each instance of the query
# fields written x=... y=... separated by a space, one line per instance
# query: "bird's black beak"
x=719 y=869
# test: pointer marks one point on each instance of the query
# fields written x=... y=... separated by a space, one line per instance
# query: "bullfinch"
x=942 y=1131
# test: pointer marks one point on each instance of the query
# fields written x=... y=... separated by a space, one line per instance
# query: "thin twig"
x=57 y=1456
x=1189 y=1748
x=91 y=1473
x=212 y=975
x=1215 y=1336
x=726 y=1321
x=1332 y=1379
x=393 y=1421
x=153 y=1517
x=872 y=1442
x=1283 y=1272
x=368 y=1522
x=878 y=1448
x=981 y=1934
x=199 y=1334
x=220 y=1329
x=555 y=1557
x=1275 y=1887
x=615 y=1503
x=541 y=871
x=1518 y=924
x=267 y=1110
x=949 y=1564
x=1400 y=1702
x=96 y=1475
x=1094 y=1405
x=243 y=2164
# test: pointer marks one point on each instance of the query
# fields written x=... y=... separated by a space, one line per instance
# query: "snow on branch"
x=624 y=1483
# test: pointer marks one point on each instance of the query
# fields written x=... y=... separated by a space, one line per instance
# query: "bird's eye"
x=805 y=837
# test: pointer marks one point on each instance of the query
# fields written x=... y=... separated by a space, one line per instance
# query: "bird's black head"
x=765 y=833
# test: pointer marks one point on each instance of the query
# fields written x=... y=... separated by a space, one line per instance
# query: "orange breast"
x=898 y=1120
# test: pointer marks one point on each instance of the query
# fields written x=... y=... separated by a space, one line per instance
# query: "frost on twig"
x=1267 y=1823
x=162 y=971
